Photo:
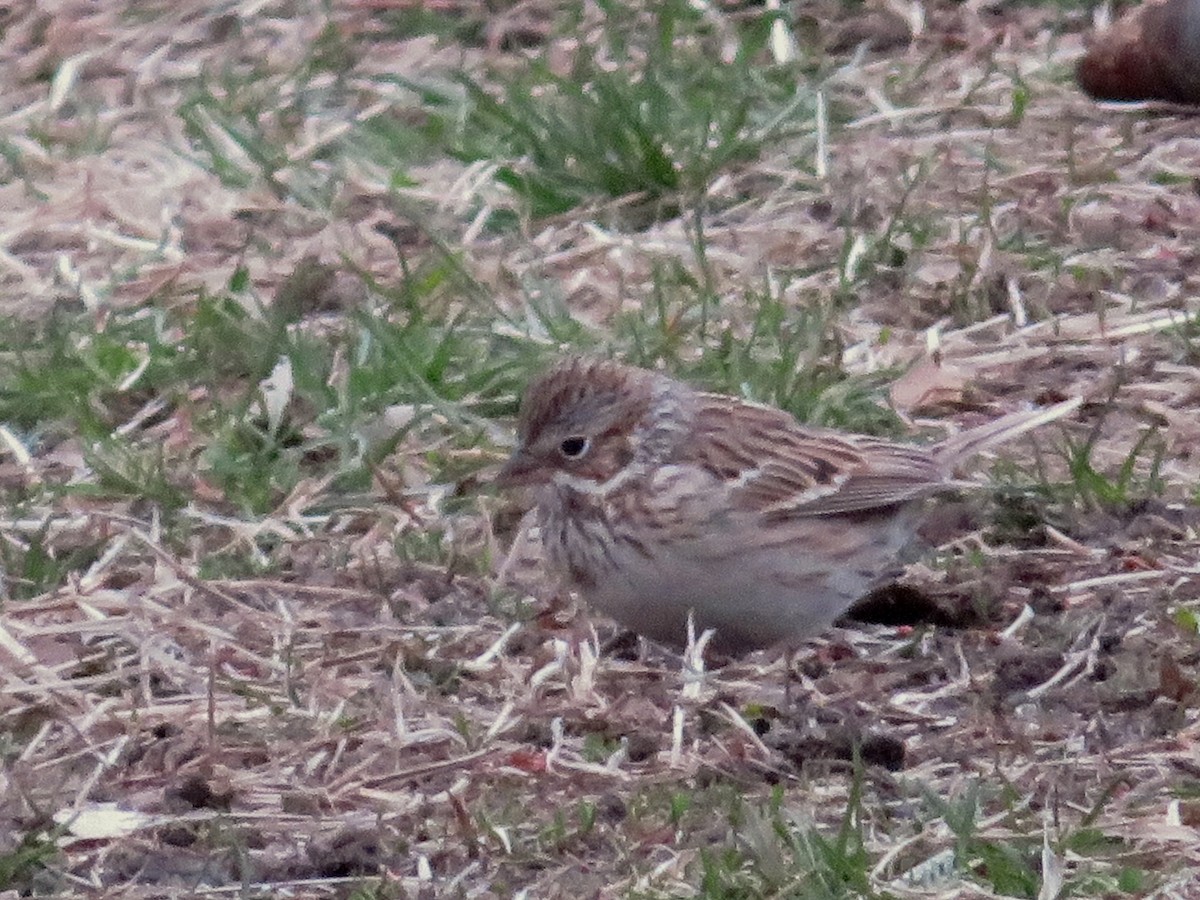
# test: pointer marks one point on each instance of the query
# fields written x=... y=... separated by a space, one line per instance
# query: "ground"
x=274 y=276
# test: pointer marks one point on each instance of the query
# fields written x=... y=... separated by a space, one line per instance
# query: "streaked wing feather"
x=782 y=471
x=859 y=493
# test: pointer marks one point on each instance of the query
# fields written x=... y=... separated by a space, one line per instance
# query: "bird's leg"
x=789 y=675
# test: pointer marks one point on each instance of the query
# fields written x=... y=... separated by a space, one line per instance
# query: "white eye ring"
x=574 y=446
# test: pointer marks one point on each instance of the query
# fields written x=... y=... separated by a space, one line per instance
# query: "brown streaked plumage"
x=656 y=499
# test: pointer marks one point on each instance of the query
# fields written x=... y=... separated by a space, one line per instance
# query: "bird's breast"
x=577 y=534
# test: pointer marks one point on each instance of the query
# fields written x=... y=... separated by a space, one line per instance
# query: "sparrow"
x=657 y=501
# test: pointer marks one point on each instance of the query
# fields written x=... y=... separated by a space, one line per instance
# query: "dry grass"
x=385 y=705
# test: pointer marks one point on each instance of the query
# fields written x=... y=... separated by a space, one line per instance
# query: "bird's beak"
x=520 y=470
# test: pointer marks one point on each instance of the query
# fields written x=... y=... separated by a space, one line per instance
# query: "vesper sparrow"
x=656 y=499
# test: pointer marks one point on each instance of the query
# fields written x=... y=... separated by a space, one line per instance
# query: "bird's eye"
x=574 y=447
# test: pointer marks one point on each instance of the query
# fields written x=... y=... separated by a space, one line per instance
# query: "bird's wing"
x=780 y=471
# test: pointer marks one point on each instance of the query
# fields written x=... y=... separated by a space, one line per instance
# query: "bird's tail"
x=960 y=447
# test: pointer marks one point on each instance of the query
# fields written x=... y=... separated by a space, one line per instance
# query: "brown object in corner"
x=1150 y=53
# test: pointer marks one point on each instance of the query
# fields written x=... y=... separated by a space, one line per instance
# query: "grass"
x=25 y=866
x=642 y=115
x=249 y=545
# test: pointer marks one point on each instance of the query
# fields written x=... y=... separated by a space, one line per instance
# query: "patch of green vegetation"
x=764 y=346
x=232 y=336
x=537 y=834
x=1188 y=620
x=378 y=889
x=650 y=109
x=1011 y=866
x=751 y=849
x=62 y=369
x=253 y=467
x=238 y=561
x=1021 y=506
x=17 y=168
x=260 y=399
x=1137 y=478
x=778 y=856
x=1185 y=336
x=597 y=747
x=424 y=545
x=1008 y=859
x=83 y=133
x=1098 y=877
x=231 y=122
x=462 y=25
x=125 y=469
x=31 y=565
x=1027 y=498
x=245 y=121
x=906 y=231
x=25 y=869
